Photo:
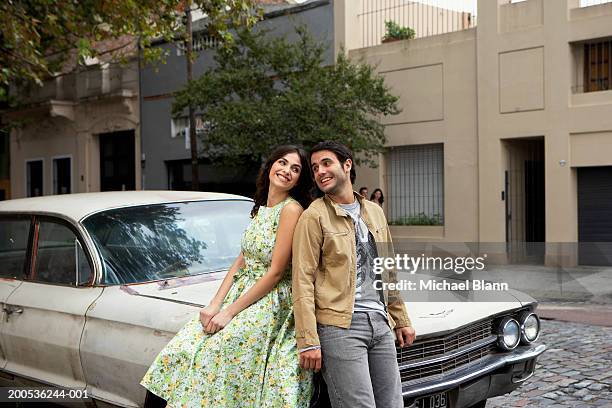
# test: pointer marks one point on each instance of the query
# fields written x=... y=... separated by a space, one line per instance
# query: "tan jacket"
x=324 y=262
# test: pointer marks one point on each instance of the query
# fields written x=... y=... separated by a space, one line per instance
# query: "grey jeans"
x=360 y=363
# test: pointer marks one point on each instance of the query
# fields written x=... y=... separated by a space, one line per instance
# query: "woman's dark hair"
x=341 y=151
x=300 y=192
x=382 y=196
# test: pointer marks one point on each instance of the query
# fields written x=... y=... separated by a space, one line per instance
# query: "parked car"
x=93 y=285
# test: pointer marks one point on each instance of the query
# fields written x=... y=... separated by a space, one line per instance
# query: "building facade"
x=80 y=132
x=166 y=147
x=505 y=134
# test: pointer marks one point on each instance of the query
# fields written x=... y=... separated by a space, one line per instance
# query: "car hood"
x=434 y=318
x=428 y=317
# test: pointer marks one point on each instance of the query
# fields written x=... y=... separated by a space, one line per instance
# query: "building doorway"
x=524 y=196
x=117 y=161
x=595 y=216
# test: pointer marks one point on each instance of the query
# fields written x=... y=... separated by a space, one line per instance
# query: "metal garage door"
x=595 y=215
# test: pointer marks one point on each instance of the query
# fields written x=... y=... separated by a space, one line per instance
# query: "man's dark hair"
x=341 y=151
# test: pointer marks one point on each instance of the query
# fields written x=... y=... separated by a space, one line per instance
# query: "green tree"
x=39 y=37
x=265 y=92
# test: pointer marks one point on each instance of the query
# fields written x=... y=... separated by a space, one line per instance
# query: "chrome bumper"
x=487 y=365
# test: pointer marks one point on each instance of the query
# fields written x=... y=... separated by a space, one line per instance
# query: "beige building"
x=79 y=132
x=505 y=133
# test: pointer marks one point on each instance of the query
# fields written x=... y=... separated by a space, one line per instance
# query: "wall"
x=435 y=78
x=526 y=76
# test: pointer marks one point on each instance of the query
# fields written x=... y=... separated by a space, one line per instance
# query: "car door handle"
x=9 y=311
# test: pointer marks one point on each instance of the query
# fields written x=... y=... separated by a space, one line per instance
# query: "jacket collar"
x=341 y=212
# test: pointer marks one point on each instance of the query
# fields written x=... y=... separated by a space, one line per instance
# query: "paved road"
x=575 y=371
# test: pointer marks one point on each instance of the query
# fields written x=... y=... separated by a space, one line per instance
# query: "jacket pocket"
x=336 y=247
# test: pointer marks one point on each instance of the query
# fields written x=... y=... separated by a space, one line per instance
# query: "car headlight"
x=509 y=334
x=530 y=327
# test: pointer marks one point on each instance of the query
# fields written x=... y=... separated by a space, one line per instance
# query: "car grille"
x=440 y=355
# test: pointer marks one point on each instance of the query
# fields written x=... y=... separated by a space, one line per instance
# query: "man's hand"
x=311 y=360
x=207 y=313
x=405 y=336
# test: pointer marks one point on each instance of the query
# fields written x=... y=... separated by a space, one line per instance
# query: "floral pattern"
x=253 y=361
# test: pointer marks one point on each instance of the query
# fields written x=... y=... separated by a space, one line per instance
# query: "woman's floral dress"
x=253 y=361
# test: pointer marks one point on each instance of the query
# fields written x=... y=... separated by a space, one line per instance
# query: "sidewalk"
x=560 y=285
x=578 y=294
x=587 y=313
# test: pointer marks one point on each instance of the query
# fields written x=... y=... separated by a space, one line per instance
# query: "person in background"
x=364 y=192
x=378 y=197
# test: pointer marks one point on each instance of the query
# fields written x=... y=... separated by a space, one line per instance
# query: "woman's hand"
x=207 y=313
x=219 y=321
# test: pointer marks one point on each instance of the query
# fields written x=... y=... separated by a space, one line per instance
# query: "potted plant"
x=396 y=32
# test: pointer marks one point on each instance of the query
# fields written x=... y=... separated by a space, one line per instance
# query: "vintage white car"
x=93 y=285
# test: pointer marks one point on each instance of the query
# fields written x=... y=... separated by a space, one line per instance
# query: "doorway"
x=524 y=195
x=117 y=161
x=595 y=216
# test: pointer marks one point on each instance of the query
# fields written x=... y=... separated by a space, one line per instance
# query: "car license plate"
x=439 y=400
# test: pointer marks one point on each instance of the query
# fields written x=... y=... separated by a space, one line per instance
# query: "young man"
x=363 y=191
x=343 y=323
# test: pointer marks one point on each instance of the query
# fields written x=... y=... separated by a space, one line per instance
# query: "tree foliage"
x=39 y=37
x=268 y=91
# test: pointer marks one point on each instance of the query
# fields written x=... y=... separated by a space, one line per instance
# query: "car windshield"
x=164 y=241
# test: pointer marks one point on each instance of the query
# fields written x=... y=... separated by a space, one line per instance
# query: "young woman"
x=378 y=197
x=241 y=350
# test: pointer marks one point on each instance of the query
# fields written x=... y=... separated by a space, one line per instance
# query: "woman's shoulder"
x=292 y=206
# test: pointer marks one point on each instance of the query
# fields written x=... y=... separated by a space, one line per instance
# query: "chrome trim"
x=232 y=197
x=466 y=349
x=502 y=328
x=491 y=363
x=520 y=380
x=523 y=318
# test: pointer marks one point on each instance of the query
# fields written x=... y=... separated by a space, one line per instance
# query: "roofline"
x=290 y=9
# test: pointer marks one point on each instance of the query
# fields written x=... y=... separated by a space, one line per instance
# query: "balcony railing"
x=425 y=17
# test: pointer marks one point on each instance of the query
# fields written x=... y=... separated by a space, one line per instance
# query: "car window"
x=164 y=241
x=14 y=235
x=57 y=252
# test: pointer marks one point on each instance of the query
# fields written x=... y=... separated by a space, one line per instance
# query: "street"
x=573 y=372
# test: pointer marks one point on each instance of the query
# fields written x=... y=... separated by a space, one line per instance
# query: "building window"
x=62 y=175
x=597 y=67
x=179 y=127
x=416 y=185
x=34 y=178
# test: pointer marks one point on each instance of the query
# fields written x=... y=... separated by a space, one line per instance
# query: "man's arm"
x=307 y=241
x=404 y=332
x=396 y=306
